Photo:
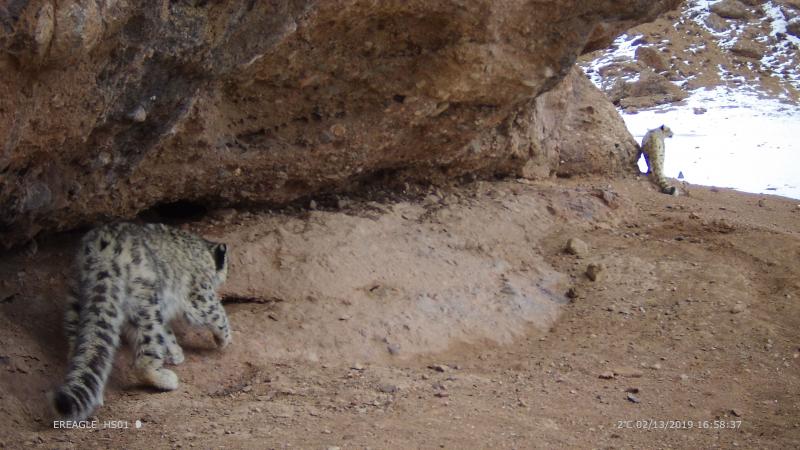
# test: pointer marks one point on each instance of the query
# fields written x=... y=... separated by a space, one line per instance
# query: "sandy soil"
x=441 y=319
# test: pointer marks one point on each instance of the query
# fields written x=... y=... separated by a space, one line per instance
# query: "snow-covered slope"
x=740 y=124
x=741 y=141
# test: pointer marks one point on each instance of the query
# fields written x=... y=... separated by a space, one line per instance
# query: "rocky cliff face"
x=108 y=107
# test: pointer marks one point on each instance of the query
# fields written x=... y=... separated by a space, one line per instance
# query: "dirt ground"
x=442 y=320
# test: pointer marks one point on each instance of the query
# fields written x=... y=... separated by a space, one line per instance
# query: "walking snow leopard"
x=132 y=281
x=653 y=150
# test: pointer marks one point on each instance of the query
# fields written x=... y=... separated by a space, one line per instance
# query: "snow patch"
x=741 y=141
x=623 y=50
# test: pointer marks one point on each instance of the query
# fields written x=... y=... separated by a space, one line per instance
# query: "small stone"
x=338 y=130
x=738 y=308
x=577 y=247
x=684 y=377
x=138 y=115
x=439 y=367
x=247 y=388
x=357 y=366
x=628 y=372
x=572 y=293
x=632 y=398
x=655 y=366
x=595 y=271
x=699 y=111
x=736 y=412
x=393 y=349
x=441 y=394
x=312 y=204
x=610 y=198
x=761 y=203
x=607 y=375
x=388 y=388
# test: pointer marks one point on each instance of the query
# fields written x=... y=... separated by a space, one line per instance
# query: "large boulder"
x=653 y=58
x=577 y=124
x=108 y=107
x=748 y=49
x=731 y=9
x=793 y=27
x=650 y=89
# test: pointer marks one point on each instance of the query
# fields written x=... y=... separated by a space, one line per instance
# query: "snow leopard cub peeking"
x=133 y=280
x=654 y=153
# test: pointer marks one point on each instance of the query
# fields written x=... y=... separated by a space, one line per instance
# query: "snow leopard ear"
x=662 y=127
x=220 y=252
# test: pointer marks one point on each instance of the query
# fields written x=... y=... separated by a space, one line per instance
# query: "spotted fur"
x=653 y=150
x=132 y=281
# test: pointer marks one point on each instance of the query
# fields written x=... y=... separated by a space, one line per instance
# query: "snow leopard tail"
x=93 y=328
x=663 y=184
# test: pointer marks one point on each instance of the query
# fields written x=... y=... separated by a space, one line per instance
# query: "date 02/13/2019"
x=653 y=424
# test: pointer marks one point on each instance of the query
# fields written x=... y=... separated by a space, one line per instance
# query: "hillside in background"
x=725 y=76
x=749 y=47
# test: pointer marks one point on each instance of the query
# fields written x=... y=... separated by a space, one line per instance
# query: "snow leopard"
x=653 y=150
x=132 y=281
